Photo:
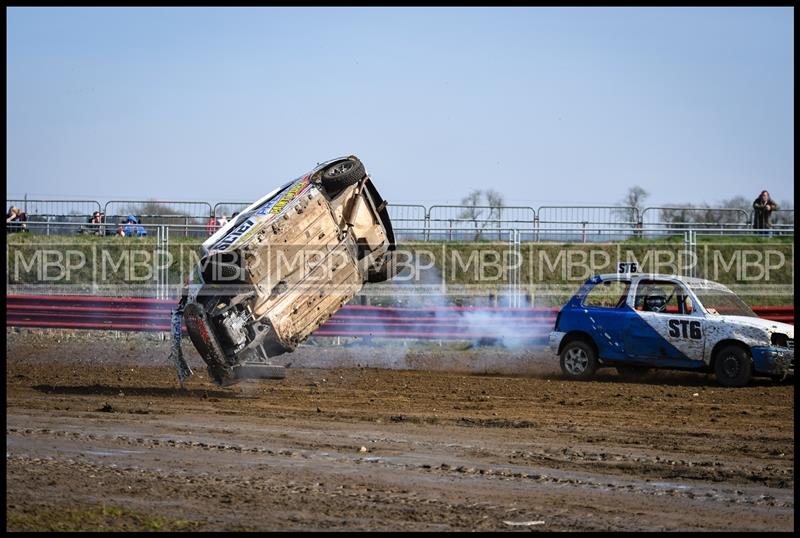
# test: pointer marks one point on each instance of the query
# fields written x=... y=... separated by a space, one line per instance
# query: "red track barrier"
x=136 y=314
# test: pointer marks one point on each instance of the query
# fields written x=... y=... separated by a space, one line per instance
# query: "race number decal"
x=684 y=328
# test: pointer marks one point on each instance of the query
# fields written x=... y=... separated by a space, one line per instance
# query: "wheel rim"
x=576 y=361
x=340 y=169
x=730 y=366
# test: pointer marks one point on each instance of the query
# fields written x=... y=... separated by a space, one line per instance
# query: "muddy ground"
x=99 y=435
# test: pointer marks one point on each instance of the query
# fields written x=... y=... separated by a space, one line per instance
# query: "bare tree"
x=496 y=203
x=494 y=200
x=742 y=204
x=677 y=215
x=631 y=202
x=471 y=204
x=483 y=208
x=731 y=211
x=153 y=212
x=784 y=214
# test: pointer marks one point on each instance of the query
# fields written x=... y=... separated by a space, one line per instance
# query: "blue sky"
x=544 y=105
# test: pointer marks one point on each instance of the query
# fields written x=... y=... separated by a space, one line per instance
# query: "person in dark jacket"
x=16 y=220
x=763 y=206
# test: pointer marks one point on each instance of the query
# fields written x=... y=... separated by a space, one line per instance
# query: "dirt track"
x=99 y=435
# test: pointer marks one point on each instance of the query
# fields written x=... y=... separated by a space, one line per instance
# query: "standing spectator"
x=211 y=226
x=763 y=206
x=16 y=220
x=222 y=221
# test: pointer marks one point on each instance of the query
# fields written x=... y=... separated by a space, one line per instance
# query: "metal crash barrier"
x=444 y=323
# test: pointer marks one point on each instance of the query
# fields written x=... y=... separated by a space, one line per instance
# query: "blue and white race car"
x=635 y=322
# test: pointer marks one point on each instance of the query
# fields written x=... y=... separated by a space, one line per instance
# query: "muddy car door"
x=667 y=328
x=605 y=311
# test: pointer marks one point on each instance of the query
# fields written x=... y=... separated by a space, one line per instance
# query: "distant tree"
x=724 y=215
x=154 y=212
x=483 y=208
x=738 y=202
x=784 y=214
x=677 y=214
x=494 y=200
x=708 y=215
x=634 y=198
x=471 y=204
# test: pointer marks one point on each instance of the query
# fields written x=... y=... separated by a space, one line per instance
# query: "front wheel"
x=733 y=367
x=578 y=360
x=342 y=174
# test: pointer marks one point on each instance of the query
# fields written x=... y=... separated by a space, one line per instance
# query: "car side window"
x=608 y=294
x=663 y=297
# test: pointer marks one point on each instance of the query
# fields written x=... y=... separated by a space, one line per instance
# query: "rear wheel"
x=342 y=174
x=578 y=360
x=733 y=367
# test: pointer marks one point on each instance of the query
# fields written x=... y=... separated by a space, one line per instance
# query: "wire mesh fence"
x=170 y=213
x=75 y=212
x=227 y=209
x=412 y=219
x=582 y=223
x=474 y=223
x=681 y=218
x=416 y=222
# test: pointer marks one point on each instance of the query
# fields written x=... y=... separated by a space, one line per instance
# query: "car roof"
x=689 y=280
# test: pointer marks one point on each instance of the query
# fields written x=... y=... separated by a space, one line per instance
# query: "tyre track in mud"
x=369 y=449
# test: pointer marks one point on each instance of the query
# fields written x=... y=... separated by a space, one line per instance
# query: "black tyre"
x=733 y=367
x=578 y=360
x=342 y=174
x=632 y=373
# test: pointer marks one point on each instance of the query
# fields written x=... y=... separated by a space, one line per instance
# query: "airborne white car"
x=639 y=321
x=270 y=277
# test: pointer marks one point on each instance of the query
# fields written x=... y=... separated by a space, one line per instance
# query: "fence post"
x=163 y=267
x=427 y=224
x=157 y=255
x=513 y=287
x=690 y=252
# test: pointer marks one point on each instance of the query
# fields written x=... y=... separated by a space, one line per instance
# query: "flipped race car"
x=271 y=276
x=640 y=321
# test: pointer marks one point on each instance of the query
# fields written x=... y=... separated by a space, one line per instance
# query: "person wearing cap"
x=132 y=228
